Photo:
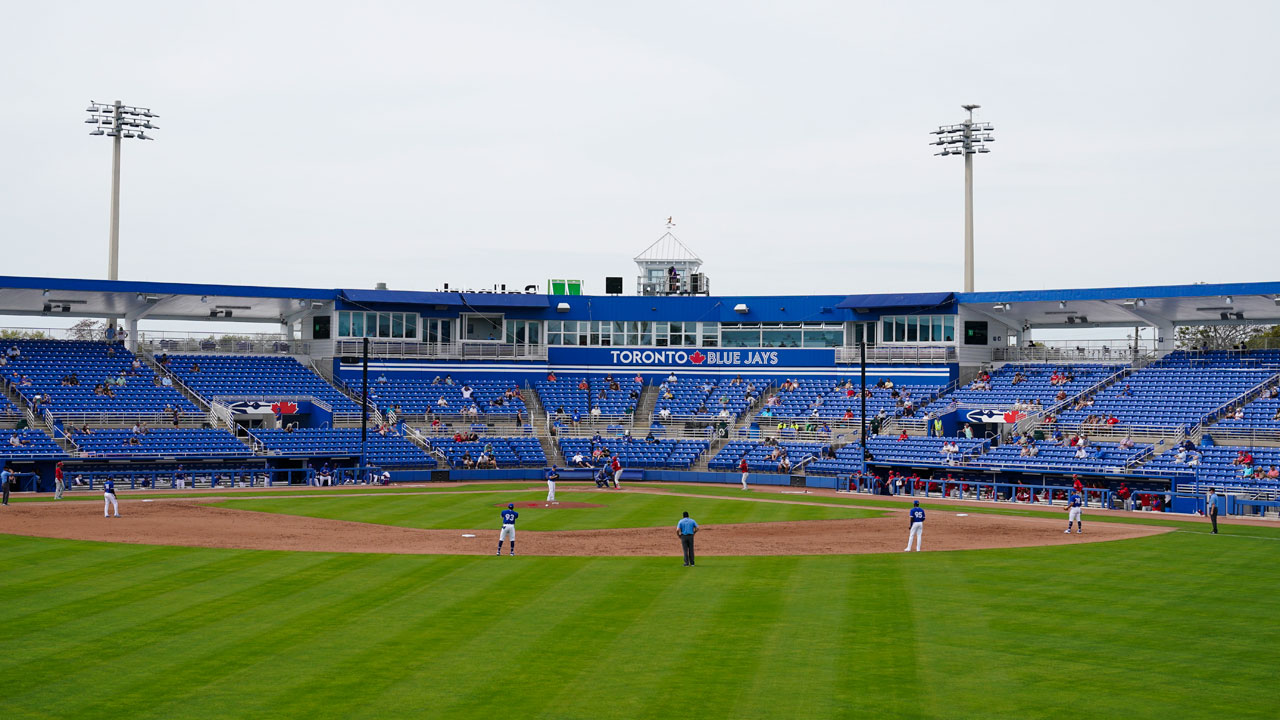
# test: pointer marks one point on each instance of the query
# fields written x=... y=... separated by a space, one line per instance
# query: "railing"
x=167 y=342
x=1031 y=421
x=121 y=419
x=1243 y=399
x=1110 y=351
x=220 y=415
x=477 y=350
x=915 y=354
x=1241 y=436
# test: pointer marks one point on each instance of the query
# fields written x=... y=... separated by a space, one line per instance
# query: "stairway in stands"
x=538 y=420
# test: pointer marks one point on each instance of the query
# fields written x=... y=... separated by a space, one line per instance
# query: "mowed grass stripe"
x=1185 y=523
x=1169 y=626
x=481 y=510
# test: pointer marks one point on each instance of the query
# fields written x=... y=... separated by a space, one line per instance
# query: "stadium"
x=302 y=482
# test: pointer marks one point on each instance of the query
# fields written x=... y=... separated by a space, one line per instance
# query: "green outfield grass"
x=480 y=510
x=1173 y=626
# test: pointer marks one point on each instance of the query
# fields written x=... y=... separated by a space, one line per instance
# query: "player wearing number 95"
x=917 y=526
x=508 y=527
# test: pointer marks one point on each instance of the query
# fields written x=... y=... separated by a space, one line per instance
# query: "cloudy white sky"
x=416 y=143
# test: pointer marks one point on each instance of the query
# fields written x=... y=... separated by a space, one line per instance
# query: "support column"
x=131 y=326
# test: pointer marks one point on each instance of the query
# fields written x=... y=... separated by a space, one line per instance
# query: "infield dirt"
x=196 y=523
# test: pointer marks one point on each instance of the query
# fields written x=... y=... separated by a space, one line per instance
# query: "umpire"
x=1211 y=508
x=686 y=529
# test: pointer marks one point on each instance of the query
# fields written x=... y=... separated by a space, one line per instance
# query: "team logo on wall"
x=995 y=416
x=697 y=357
x=284 y=407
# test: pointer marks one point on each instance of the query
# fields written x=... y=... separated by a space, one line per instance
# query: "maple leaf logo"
x=1014 y=416
x=697 y=357
x=284 y=408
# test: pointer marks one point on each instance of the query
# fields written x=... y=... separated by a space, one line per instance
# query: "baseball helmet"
x=511 y=506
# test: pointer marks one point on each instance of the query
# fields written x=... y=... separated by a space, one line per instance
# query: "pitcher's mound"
x=544 y=505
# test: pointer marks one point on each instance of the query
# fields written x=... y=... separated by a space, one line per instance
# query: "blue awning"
x=897 y=300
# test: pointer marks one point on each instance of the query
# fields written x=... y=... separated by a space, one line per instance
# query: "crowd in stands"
x=1182 y=389
x=706 y=398
x=843 y=400
x=571 y=399
x=269 y=376
x=385 y=450
x=398 y=397
x=651 y=452
x=1030 y=388
x=67 y=377
x=471 y=451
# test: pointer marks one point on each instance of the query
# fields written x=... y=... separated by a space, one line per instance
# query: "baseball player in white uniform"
x=917 y=526
x=508 y=531
x=109 y=501
x=1075 y=508
x=552 y=474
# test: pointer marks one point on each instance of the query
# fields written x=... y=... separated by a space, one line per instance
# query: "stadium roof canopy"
x=1201 y=304
x=1088 y=307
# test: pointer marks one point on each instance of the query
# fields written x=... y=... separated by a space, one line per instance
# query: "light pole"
x=965 y=139
x=118 y=121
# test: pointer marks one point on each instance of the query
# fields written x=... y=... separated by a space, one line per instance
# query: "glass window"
x=397 y=325
x=344 y=324
x=949 y=327
x=780 y=338
x=937 y=329
x=482 y=327
x=815 y=337
x=887 y=331
x=740 y=338
x=411 y=326
x=710 y=334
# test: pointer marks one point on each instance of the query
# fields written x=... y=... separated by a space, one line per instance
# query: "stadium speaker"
x=320 y=327
x=613 y=286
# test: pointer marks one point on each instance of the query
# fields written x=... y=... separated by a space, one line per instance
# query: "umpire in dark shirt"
x=686 y=529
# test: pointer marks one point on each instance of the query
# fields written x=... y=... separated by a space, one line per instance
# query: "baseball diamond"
x=593 y=361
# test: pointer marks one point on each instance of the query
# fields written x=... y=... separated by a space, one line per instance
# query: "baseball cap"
x=916 y=503
x=511 y=506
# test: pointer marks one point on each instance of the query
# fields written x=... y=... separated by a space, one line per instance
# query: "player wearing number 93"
x=508 y=527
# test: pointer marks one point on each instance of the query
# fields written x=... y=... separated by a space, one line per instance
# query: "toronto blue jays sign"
x=694 y=358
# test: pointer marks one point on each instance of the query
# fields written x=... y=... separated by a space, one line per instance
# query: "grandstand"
x=81 y=381
x=706 y=399
x=415 y=398
x=507 y=452
x=199 y=443
x=839 y=400
x=797 y=358
x=390 y=451
x=662 y=453
x=1025 y=383
x=1183 y=389
x=257 y=377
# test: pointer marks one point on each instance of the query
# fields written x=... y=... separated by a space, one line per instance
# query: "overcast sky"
x=416 y=143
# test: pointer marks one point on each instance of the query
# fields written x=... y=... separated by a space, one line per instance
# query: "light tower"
x=965 y=139
x=118 y=121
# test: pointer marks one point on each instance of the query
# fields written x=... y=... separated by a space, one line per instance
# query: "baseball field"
x=1178 y=624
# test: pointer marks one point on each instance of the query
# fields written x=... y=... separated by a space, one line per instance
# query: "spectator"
x=551 y=376
x=1273 y=473
x=672 y=378
x=467 y=392
x=582 y=385
x=1127 y=443
x=904 y=436
x=1239 y=413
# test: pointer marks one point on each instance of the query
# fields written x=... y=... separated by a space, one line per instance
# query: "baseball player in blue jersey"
x=916 y=532
x=553 y=474
x=508 y=527
x=1075 y=508
x=109 y=499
